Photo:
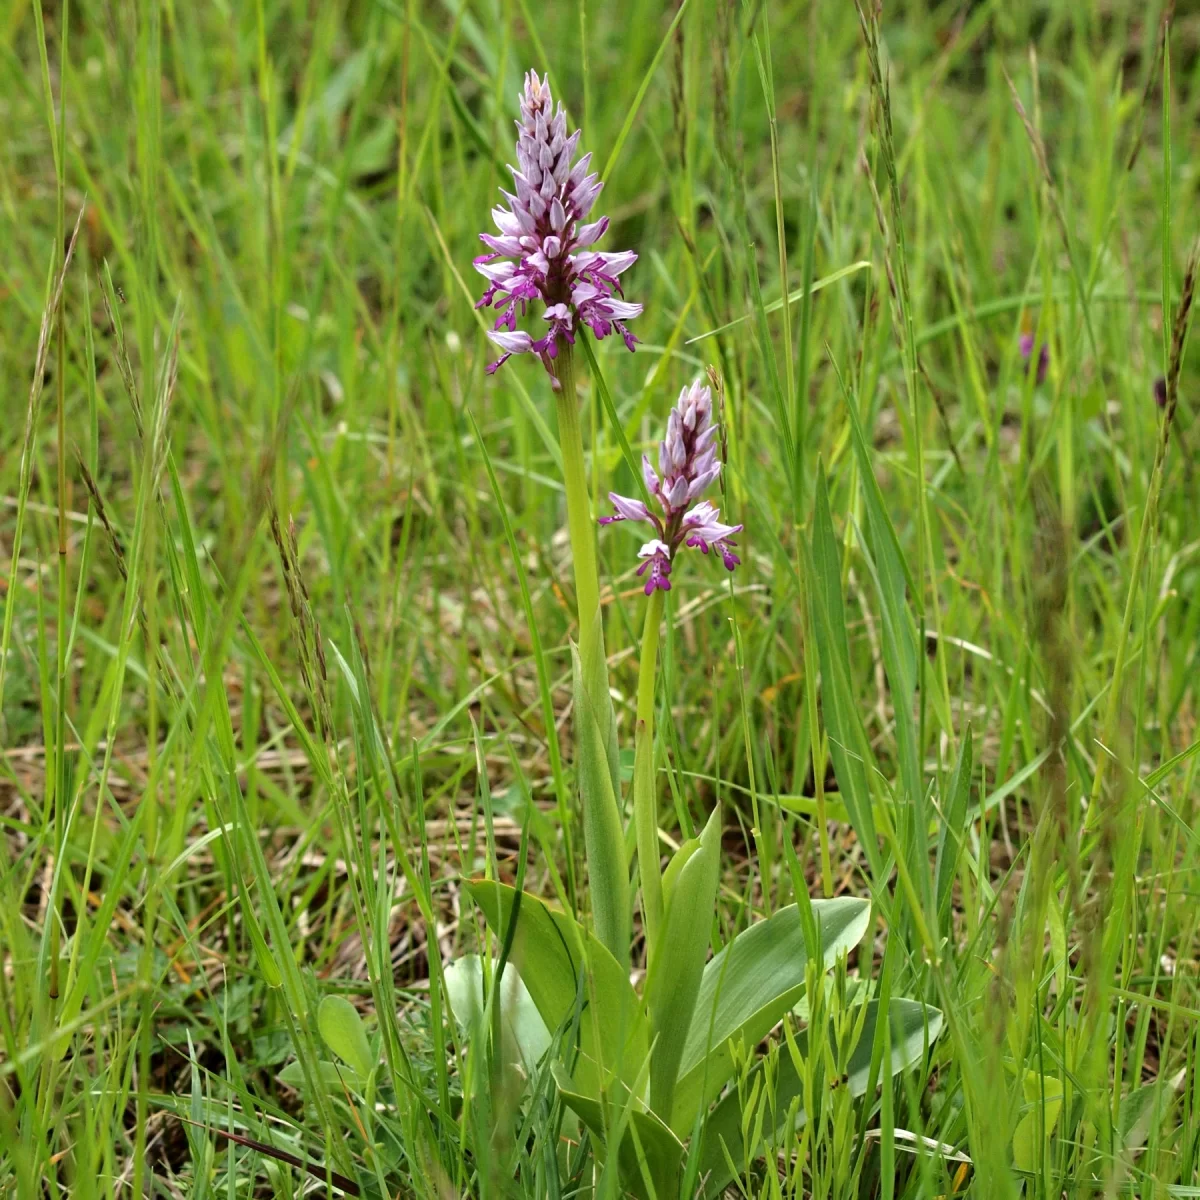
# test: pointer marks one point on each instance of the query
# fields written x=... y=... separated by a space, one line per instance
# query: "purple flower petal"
x=676 y=492
x=628 y=509
x=514 y=343
x=495 y=272
x=587 y=234
x=649 y=475
x=658 y=562
x=507 y=244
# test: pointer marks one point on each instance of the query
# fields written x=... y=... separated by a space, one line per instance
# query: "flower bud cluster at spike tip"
x=543 y=229
x=687 y=465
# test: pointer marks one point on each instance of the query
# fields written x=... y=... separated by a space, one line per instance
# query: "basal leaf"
x=915 y=1027
x=331 y=1076
x=570 y=977
x=674 y=976
x=747 y=988
x=525 y=1033
x=610 y=1119
x=1043 y=1098
x=675 y=866
x=344 y=1033
x=1143 y=1107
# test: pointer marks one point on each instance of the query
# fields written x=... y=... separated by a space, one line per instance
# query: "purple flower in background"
x=543 y=229
x=687 y=464
x=1043 y=358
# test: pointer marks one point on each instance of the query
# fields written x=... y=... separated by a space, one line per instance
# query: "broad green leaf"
x=678 y=861
x=565 y=979
x=344 y=1033
x=674 y=975
x=604 y=840
x=914 y=1028
x=1138 y=1112
x=661 y=1151
x=330 y=1074
x=1043 y=1095
x=838 y=702
x=748 y=987
x=1058 y=942
x=525 y=1033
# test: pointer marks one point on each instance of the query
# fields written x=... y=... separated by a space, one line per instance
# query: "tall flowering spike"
x=687 y=464
x=543 y=227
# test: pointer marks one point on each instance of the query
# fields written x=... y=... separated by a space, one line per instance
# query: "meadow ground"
x=288 y=595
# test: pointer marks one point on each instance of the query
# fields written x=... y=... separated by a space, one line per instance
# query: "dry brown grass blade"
x=1164 y=26
x=314 y=1169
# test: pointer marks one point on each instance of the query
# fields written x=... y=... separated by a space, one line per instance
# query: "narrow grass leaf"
x=846 y=738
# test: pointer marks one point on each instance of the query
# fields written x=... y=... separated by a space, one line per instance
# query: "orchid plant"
x=646 y=1072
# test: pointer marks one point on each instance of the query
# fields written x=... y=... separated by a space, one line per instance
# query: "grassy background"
x=269 y=311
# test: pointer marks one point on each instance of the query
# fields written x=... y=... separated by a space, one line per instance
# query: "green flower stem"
x=579 y=516
x=596 y=762
x=649 y=661
x=645 y=798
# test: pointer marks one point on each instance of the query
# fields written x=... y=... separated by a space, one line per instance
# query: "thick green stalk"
x=579 y=517
x=595 y=728
x=645 y=799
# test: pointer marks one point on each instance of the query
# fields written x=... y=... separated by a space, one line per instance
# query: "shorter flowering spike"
x=687 y=464
x=543 y=228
